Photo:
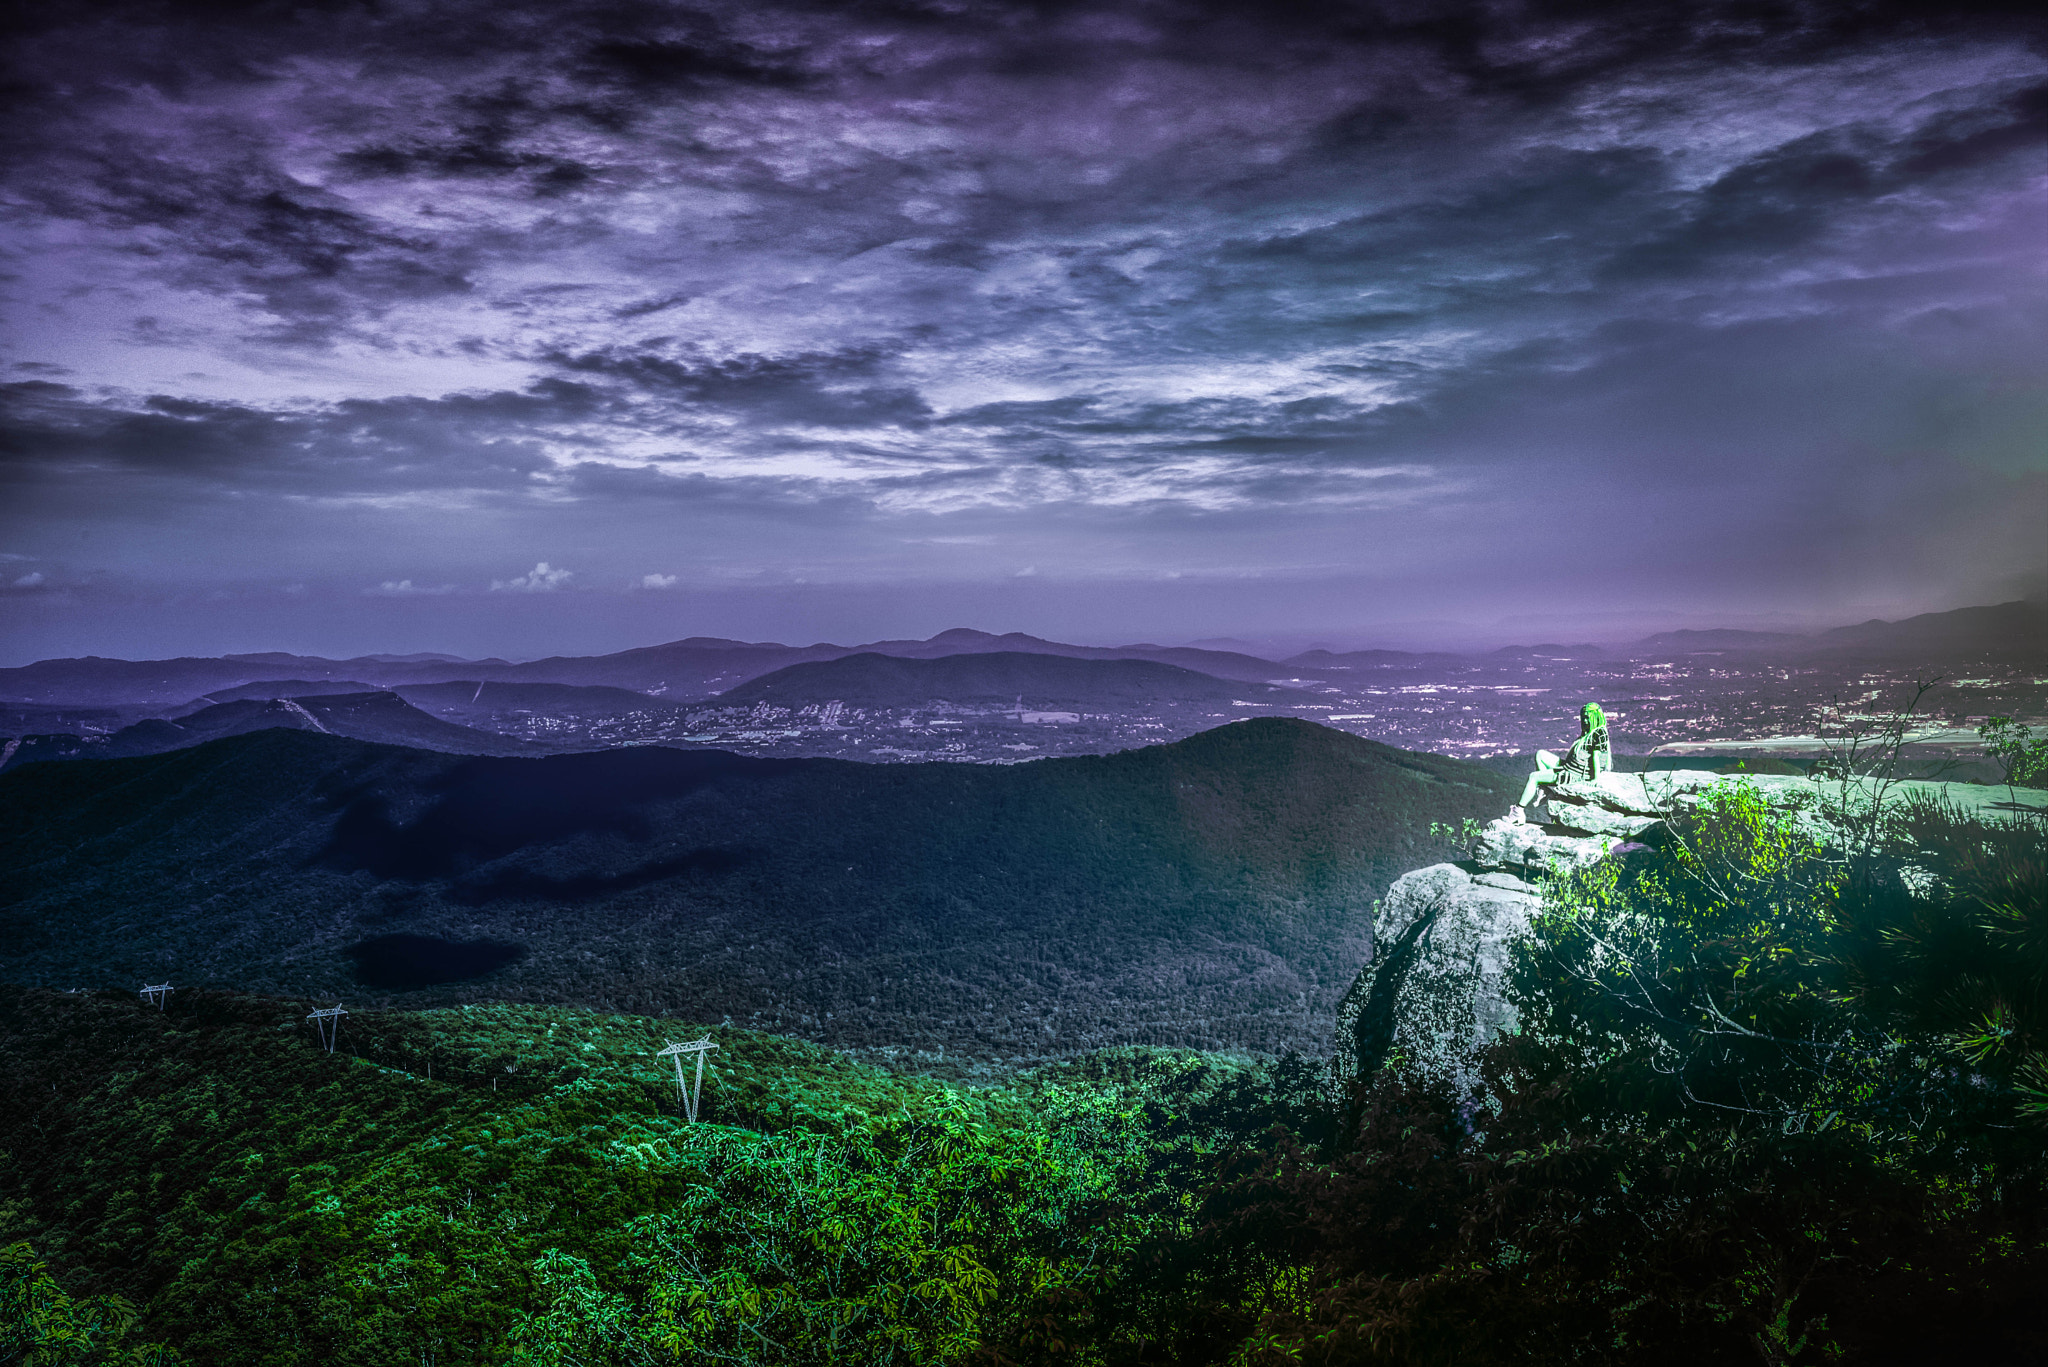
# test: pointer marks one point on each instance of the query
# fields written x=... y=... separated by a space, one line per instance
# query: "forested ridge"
x=1778 y=1094
x=1213 y=893
x=1770 y=1102
x=479 y=1182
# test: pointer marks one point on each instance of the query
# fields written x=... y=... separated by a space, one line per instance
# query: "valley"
x=974 y=697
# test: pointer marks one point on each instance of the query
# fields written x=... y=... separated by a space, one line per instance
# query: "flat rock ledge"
x=1434 y=991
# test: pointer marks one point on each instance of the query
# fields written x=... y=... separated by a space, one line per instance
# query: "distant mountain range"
x=1216 y=892
x=464 y=697
x=2012 y=631
x=1723 y=638
x=680 y=671
x=368 y=716
x=1319 y=662
x=284 y=688
x=700 y=667
x=2017 y=629
x=1550 y=652
x=1035 y=681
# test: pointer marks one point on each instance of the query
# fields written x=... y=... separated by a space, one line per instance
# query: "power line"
x=699 y=1047
x=327 y=1021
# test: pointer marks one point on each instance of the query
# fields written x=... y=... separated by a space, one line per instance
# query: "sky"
x=527 y=328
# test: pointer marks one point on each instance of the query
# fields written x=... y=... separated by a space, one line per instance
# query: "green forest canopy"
x=1771 y=1102
x=1216 y=892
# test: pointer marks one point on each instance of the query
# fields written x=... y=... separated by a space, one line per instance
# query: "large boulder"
x=1435 y=989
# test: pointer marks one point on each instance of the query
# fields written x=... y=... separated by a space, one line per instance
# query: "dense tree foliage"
x=484 y=1183
x=2013 y=746
x=1215 y=893
x=42 y=1325
x=1771 y=1101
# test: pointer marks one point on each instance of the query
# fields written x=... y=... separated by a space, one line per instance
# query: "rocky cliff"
x=1435 y=989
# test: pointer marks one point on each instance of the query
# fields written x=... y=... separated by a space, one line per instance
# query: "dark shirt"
x=1588 y=758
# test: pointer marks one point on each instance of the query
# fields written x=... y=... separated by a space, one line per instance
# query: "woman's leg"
x=1546 y=772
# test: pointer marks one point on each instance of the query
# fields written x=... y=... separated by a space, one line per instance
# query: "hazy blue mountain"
x=2006 y=630
x=381 y=717
x=286 y=688
x=1723 y=638
x=1221 y=664
x=22 y=719
x=92 y=680
x=486 y=697
x=1549 y=652
x=682 y=670
x=1339 y=662
x=417 y=657
x=1039 y=681
x=1215 y=892
x=2010 y=630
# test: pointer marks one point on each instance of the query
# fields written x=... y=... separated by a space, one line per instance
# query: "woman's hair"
x=1592 y=717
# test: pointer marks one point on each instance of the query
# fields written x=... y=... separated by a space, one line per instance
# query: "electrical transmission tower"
x=328 y=1022
x=699 y=1047
x=154 y=993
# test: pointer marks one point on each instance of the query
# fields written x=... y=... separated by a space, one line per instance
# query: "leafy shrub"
x=1770 y=1101
x=1757 y=1110
x=42 y=1326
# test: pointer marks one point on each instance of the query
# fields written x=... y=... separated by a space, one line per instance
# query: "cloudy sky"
x=525 y=328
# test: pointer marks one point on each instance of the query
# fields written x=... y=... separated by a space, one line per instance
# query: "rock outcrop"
x=1436 y=987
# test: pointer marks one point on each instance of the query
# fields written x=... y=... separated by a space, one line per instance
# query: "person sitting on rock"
x=1589 y=757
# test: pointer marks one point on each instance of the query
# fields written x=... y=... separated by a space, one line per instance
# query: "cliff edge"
x=1434 y=992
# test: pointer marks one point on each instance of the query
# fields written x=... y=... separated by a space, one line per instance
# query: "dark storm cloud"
x=51 y=435
x=1135 y=280
x=833 y=389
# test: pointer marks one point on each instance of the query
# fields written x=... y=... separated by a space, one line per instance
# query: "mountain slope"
x=2008 y=630
x=1323 y=661
x=1213 y=892
x=381 y=717
x=1724 y=638
x=285 y=688
x=1221 y=664
x=488 y=696
x=2016 y=630
x=1000 y=677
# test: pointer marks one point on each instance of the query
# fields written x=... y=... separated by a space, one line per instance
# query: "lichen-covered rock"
x=1519 y=847
x=1588 y=819
x=1623 y=806
x=1436 y=988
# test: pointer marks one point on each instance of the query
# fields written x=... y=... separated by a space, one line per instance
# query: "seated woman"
x=1588 y=758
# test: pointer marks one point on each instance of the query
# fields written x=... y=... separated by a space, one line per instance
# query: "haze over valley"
x=966 y=695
